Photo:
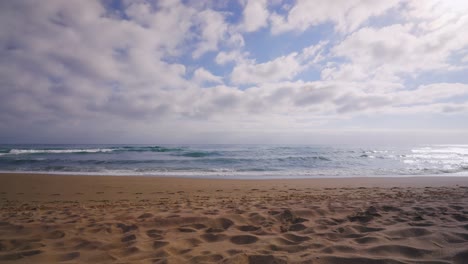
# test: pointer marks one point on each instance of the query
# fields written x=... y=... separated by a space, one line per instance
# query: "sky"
x=238 y=71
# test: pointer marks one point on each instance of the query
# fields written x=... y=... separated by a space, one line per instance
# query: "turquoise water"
x=237 y=161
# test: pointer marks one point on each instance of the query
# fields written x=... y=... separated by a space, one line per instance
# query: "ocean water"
x=237 y=161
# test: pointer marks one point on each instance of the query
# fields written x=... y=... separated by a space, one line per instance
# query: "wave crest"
x=56 y=151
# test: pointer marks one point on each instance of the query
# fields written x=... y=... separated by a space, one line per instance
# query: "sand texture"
x=77 y=219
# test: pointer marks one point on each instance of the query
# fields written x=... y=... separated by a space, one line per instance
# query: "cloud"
x=433 y=93
x=76 y=61
x=389 y=52
x=201 y=75
x=465 y=59
x=346 y=15
x=279 y=69
x=224 y=57
x=282 y=68
x=169 y=68
x=311 y=95
x=170 y=19
x=212 y=30
x=255 y=15
x=454 y=108
x=434 y=10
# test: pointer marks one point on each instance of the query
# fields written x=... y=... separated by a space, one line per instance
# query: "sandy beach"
x=104 y=219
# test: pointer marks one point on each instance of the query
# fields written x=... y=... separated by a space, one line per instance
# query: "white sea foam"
x=236 y=162
x=56 y=151
x=452 y=150
x=439 y=156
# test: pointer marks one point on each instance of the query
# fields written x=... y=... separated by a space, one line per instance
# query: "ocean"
x=237 y=161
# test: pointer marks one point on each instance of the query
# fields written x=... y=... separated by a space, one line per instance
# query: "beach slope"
x=103 y=219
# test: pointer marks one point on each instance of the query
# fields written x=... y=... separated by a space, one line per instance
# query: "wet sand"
x=103 y=219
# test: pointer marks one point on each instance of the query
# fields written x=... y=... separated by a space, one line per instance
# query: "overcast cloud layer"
x=242 y=71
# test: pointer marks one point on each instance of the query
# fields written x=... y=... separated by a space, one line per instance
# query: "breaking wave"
x=237 y=160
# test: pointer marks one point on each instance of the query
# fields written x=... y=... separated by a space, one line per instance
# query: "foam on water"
x=55 y=151
x=451 y=150
x=237 y=161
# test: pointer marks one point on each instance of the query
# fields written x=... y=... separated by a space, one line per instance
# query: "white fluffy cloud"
x=76 y=67
x=347 y=15
x=432 y=93
x=279 y=69
x=389 y=52
x=231 y=56
x=282 y=68
x=255 y=15
x=212 y=31
x=201 y=75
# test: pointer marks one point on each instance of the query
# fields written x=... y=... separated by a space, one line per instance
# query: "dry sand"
x=86 y=219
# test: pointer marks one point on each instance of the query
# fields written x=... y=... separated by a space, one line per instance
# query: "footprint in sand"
x=297 y=227
x=248 y=228
x=339 y=249
x=193 y=242
x=186 y=230
x=399 y=250
x=207 y=258
x=243 y=258
x=130 y=251
x=221 y=223
x=232 y=252
x=408 y=232
x=296 y=238
x=145 y=215
x=128 y=238
x=367 y=240
x=69 y=256
x=87 y=245
x=210 y=237
x=154 y=233
x=126 y=228
x=19 y=255
x=159 y=244
x=55 y=234
x=197 y=226
x=243 y=239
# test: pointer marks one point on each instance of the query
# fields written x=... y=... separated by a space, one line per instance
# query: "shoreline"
x=24 y=186
x=235 y=177
x=132 y=219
